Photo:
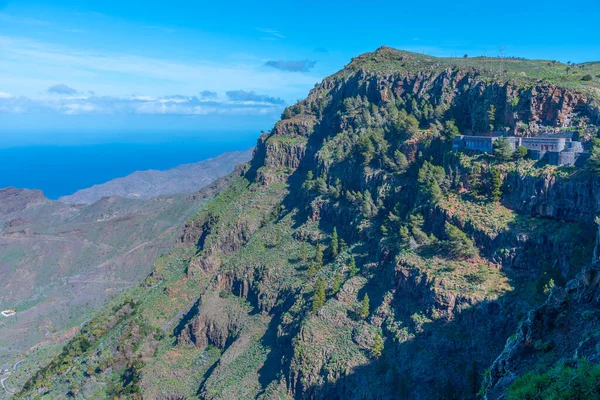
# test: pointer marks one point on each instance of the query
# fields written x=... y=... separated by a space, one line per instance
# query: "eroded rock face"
x=560 y=329
x=218 y=320
x=468 y=97
x=284 y=154
x=573 y=199
x=298 y=126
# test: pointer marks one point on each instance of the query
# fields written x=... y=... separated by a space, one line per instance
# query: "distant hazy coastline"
x=63 y=170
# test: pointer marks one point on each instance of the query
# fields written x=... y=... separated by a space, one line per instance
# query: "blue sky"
x=98 y=67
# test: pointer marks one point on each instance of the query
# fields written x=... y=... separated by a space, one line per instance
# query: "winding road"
x=5 y=377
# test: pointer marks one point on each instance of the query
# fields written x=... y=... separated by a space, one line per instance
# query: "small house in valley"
x=8 y=313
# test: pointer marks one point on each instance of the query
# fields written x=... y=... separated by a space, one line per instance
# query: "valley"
x=61 y=262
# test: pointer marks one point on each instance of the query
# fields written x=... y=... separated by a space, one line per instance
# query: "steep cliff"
x=357 y=256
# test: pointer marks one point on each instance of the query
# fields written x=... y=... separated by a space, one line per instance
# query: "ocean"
x=61 y=170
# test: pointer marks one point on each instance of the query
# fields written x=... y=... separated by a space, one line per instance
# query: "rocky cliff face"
x=563 y=328
x=358 y=257
x=573 y=199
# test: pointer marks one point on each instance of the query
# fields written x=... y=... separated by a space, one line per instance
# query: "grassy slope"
x=326 y=346
x=525 y=72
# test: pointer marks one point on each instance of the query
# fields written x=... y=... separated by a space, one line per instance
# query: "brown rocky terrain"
x=59 y=262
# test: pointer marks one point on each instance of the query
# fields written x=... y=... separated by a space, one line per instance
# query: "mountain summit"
x=358 y=256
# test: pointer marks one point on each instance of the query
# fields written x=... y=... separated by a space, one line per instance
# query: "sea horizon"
x=63 y=169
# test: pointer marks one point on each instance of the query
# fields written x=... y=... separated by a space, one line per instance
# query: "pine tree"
x=474 y=180
x=334 y=246
x=502 y=149
x=365 y=305
x=337 y=283
x=312 y=269
x=593 y=163
x=458 y=243
x=401 y=161
x=404 y=233
x=319 y=295
x=377 y=346
x=496 y=186
x=352 y=269
x=319 y=256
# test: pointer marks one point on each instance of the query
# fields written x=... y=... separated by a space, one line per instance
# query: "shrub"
x=520 y=152
x=586 y=78
x=549 y=286
x=588 y=315
x=540 y=345
x=561 y=382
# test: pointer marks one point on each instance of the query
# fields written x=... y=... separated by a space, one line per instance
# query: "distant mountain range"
x=59 y=262
x=186 y=178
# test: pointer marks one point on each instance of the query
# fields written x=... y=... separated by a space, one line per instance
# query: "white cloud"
x=28 y=66
x=273 y=34
x=4 y=95
x=141 y=105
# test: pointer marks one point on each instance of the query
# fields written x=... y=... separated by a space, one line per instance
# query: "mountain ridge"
x=357 y=256
x=185 y=178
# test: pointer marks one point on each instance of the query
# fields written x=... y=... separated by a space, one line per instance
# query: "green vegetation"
x=319 y=256
x=312 y=269
x=524 y=72
x=503 y=149
x=319 y=295
x=377 y=346
x=337 y=283
x=352 y=268
x=334 y=245
x=495 y=185
x=564 y=381
x=491 y=115
x=520 y=152
x=458 y=244
x=431 y=177
x=593 y=162
x=365 y=306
